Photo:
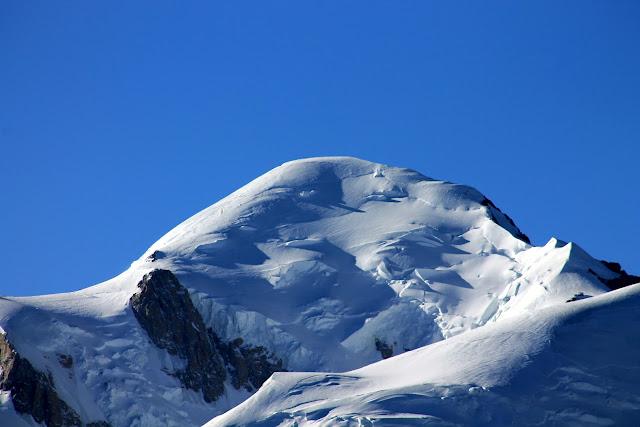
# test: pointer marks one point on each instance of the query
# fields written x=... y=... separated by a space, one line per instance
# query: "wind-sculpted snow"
x=572 y=365
x=324 y=264
x=306 y=259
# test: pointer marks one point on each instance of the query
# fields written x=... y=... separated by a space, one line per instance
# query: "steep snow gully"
x=331 y=265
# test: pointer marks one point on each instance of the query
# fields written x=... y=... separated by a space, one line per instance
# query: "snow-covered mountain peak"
x=355 y=257
x=322 y=264
x=358 y=256
x=308 y=190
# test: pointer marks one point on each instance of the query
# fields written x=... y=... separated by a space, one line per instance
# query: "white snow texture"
x=328 y=263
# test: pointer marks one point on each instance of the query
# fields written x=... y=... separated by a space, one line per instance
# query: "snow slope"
x=573 y=364
x=326 y=262
x=302 y=257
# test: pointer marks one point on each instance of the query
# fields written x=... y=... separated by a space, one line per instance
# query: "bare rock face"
x=165 y=311
x=249 y=366
x=33 y=392
x=386 y=351
x=493 y=211
x=65 y=361
x=623 y=279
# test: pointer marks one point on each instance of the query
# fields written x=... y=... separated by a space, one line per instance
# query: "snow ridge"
x=567 y=365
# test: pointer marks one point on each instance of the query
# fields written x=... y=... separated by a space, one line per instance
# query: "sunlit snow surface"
x=569 y=365
x=315 y=260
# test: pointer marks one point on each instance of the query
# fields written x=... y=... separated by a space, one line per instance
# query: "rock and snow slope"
x=322 y=264
x=570 y=364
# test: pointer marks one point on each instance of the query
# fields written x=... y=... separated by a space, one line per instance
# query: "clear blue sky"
x=120 y=119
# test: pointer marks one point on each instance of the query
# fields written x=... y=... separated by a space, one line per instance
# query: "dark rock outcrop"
x=386 y=351
x=33 y=392
x=249 y=366
x=165 y=311
x=156 y=255
x=492 y=209
x=578 y=297
x=65 y=360
x=623 y=279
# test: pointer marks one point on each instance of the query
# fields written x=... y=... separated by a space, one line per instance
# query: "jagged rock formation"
x=33 y=392
x=249 y=366
x=495 y=212
x=386 y=351
x=165 y=311
x=622 y=280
